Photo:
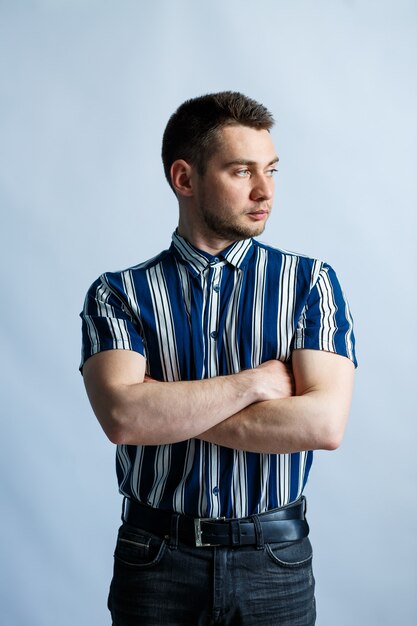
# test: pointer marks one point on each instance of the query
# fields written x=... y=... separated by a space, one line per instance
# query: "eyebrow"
x=249 y=162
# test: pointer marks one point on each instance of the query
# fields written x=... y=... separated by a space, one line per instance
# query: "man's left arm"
x=314 y=418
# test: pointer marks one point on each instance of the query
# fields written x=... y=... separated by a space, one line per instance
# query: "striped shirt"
x=195 y=316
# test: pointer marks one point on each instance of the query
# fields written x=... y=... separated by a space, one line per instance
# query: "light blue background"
x=86 y=90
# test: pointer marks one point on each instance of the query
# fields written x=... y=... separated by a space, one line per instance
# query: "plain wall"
x=86 y=88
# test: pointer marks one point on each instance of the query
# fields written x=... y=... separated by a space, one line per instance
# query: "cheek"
x=235 y=195
x=230 y=195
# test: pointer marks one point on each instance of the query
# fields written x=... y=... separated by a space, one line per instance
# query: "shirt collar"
x=236 y=254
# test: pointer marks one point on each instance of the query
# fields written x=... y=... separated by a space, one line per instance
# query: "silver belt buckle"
x=198 y=532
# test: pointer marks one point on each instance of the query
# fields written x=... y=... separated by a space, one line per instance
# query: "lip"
x=258 y=215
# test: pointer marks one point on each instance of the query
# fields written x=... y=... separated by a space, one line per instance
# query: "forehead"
x=237 y=142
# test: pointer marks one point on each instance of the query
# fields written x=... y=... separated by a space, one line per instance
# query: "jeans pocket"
x=138 y=548
x=292 y=555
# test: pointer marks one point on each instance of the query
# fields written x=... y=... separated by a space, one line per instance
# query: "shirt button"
x=214 y=261
x=216 y=288
x=216 y=491
x=213 y=334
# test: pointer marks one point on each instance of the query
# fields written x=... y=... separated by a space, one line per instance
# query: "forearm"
x=314 y=418
x=133 y=409
x=307 y=422
x=165 y=412
x=252 y=410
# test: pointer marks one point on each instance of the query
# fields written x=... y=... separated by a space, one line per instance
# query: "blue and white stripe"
x=195 y=316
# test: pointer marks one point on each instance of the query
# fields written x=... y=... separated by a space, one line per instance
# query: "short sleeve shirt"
x=195 y=316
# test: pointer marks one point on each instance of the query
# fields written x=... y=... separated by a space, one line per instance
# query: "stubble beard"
x=229 y=227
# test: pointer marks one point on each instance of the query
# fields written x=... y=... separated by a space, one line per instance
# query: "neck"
x=207 y=242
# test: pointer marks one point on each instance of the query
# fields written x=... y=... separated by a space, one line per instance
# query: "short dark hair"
x=191 y=132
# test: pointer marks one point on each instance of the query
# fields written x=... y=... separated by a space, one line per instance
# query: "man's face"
x=233 y=198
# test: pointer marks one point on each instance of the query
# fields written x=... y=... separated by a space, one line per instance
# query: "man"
x=217 y=367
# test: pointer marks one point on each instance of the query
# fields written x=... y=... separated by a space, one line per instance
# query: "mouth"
x=258 y=215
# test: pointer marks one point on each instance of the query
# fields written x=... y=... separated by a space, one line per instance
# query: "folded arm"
x=254 y=410
x=315 y=418
x=132 y=411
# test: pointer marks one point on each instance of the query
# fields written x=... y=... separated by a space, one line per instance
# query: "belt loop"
x=235 y=533
x=260 y=544
x=173 y=539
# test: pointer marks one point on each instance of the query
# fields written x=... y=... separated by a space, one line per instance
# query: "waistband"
x=287 y=523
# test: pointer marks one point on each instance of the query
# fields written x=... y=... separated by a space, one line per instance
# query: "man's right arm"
x=133 y=412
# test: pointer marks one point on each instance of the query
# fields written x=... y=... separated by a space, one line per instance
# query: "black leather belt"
x=285 y=524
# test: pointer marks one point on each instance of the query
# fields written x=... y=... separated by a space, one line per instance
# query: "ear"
x=181 y=172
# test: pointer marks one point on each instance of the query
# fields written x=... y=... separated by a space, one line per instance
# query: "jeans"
x=160 y=581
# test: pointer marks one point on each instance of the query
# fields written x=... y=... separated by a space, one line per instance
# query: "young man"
x=217 y=367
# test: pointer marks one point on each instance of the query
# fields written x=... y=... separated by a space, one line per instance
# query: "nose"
x=263 y=188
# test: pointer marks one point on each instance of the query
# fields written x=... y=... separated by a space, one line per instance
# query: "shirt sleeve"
x=326 y=322
x=107 y=322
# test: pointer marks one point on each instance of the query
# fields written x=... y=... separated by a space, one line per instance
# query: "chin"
x=258 y=230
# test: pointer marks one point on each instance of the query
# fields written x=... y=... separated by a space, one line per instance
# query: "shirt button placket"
x=214 y=321
x=216 y=289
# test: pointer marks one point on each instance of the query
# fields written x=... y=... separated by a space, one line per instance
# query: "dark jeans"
x=158 y=581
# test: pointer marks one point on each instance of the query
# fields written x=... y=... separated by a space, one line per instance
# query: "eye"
x=243 y=173
x=271 y=172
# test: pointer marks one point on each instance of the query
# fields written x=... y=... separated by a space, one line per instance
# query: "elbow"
x=115 y=426
x=115 y=434
x=111 y=414
x=332 y=433
x=332 y=438
x=114 y=431
x=332 y=443
x=124 y=427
